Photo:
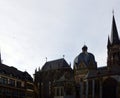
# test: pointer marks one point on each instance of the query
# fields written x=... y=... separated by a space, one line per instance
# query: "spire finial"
x=46 y=59
x=84 y=43
x=113 y=11
x=63 y=56
x=84 y=48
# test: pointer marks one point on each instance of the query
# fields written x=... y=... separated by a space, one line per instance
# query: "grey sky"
x=31 y=30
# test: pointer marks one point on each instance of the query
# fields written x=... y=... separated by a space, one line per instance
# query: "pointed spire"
x=109 y=43
x=36 y=70
x=114 y=32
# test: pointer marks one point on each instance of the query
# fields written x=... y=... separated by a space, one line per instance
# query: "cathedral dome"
x=85 y=58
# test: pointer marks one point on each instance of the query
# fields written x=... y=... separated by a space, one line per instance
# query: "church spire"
x=114 y=32
x=109 y=43
x=113 y=46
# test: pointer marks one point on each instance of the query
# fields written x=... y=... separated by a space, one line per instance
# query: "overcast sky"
x=31 y=30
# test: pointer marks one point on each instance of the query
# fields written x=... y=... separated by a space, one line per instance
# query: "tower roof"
x=114 y=33
x=108 y=44
x=10 y=70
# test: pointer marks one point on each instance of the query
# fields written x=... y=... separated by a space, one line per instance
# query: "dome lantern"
x=84 y=48
x=85 y=59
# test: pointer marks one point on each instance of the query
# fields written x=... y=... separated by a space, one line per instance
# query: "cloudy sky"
x=31 y=30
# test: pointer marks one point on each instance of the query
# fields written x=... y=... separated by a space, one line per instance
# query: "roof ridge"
x=55 y=60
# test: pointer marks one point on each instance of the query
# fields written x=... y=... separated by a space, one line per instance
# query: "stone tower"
x=113 y=46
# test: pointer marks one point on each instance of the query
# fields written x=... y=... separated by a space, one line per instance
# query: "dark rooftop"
x=14 y=72
x=103 y=71
x=55 y=64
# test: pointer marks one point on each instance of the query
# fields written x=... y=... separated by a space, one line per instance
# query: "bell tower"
x=113 y=46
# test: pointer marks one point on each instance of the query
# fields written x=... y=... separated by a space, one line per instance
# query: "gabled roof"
x=14 y=72
x=55 y=64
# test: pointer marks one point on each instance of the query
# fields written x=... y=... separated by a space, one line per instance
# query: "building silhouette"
x=83 y=63
x=54 y=80
x=103 y=82
x=57 y=79
x=15 y=83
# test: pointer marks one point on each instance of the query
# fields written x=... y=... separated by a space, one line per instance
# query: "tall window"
x=12 y=82
x=18 y=84
x=3 y=80
x=57 y=92
x=62 y=91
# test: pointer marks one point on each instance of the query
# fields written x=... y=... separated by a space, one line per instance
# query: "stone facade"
x=53 y=79
x=99 y=82
x=57 y=79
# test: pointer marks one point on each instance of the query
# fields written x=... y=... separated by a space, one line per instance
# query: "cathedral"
x=99 y=82
x=56 y=79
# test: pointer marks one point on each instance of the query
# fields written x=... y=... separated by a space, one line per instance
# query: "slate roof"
x=55 y=64
x=14 y=72
x=103 y=71
x=85 y=57
x=64 y=79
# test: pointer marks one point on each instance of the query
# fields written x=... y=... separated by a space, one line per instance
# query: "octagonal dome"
x=85 y=58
